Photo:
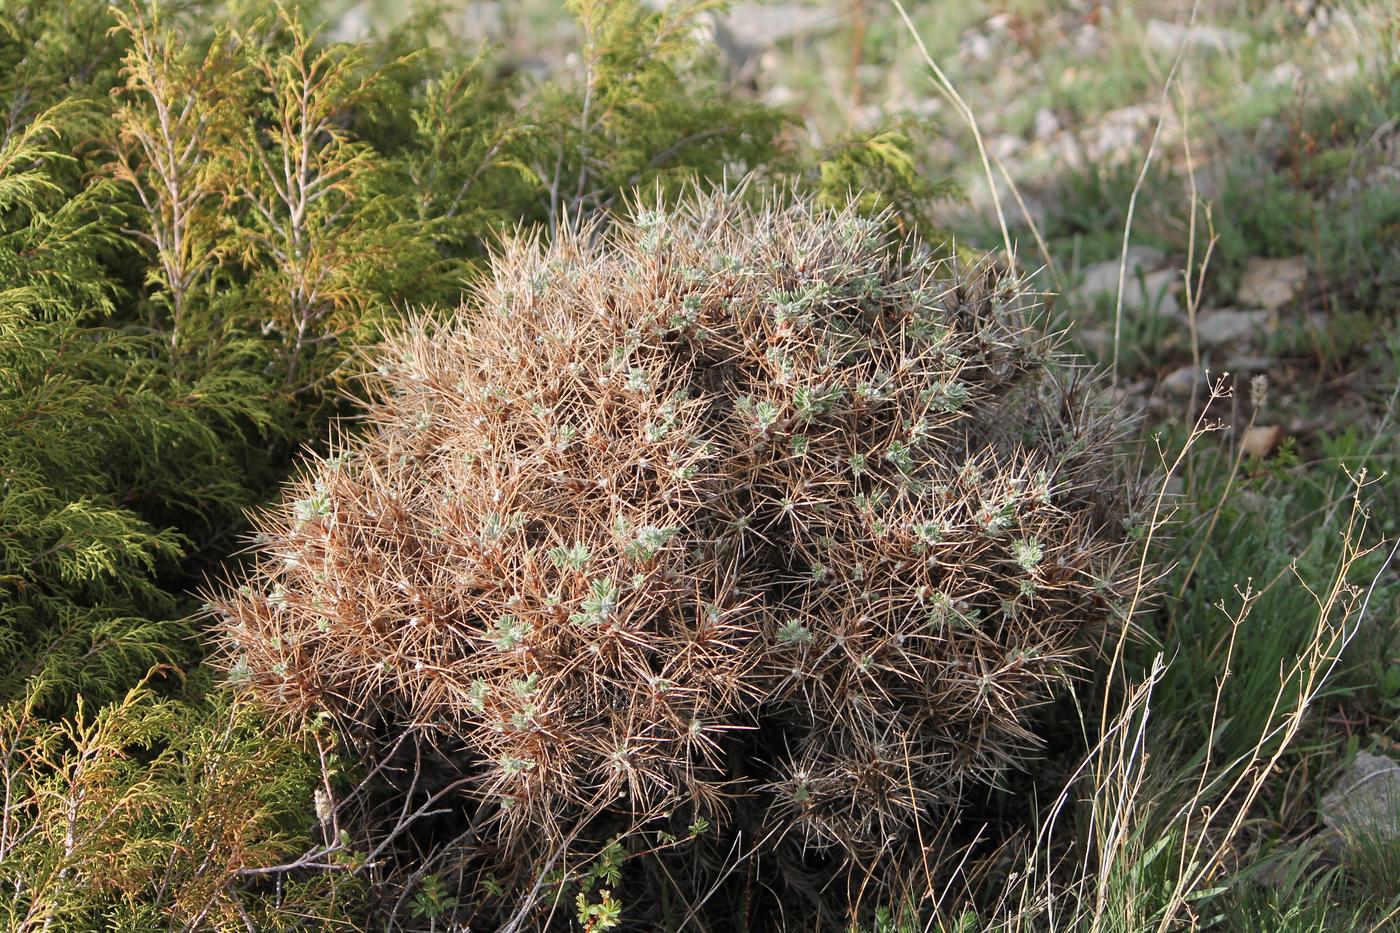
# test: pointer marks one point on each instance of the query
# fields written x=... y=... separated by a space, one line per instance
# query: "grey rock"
x=1271 y=283
x=1181 y=381
x=1343 y=72
x=1365 y=803
x=1155 y=291
x=1284 y=74
x=1320 y=22
x=1047 y=125
x=1087 y=40
x=1118 y=131
x=749 y=29
x=1066 y=149
x=1168 y=37
x=1005 y=147
x=354 y=25
x=1146 y=285
x=1227 y=326
x=999 y=22
x=1103 y=276
x=925 y=106
x=779 y=95
x=479 y=20
x=977 y=47
x=1243 y=364
x=762 y=26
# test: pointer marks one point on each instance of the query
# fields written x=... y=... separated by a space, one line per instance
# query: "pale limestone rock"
x=1271 y=283
x=1168 y=37
x=1228 y=327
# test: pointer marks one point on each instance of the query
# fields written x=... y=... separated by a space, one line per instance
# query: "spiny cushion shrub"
x=721 y=501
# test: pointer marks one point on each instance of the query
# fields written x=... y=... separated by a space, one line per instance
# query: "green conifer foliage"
x=636 y=120
x=143 y=814
x=172 y=115
x=52 y=51
x=91 y=419
x=122 y=809
x=327 y=247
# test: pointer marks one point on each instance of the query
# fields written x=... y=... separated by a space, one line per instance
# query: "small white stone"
x=1047 y=125
x=1364 y=804
x=976 y=47
x=1271 y=283
x=1228 y=326
x=1181 y=381
x=1146 y=284
x=1168 y=37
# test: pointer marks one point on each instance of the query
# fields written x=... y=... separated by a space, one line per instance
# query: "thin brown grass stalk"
x=1194 y=287
x=1167 y=86
x=1114 y=769
x=1211 y=816
x=1050 y=263
x=1258 y=394
x=1340 y=608
x=950 y=91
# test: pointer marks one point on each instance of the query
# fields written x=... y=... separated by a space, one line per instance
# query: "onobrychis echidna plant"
x=721 y=505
